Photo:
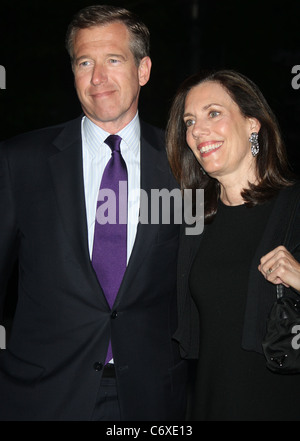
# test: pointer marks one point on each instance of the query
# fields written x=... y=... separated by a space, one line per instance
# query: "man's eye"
x=114 y=61
x=84 y=63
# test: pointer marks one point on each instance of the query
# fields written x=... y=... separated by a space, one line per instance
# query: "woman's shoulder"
x=289 y=194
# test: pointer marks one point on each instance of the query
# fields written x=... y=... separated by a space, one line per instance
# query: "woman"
x=223 y=137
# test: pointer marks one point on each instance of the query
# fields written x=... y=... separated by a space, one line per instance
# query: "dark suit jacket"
x=63 y=323
x=261 y=294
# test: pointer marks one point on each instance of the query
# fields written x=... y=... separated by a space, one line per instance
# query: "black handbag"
x=281 y=345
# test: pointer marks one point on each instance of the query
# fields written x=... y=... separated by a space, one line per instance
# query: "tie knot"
x=114 y=141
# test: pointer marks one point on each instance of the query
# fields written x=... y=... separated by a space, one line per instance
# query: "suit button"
x=98 y=366
x=114 y=315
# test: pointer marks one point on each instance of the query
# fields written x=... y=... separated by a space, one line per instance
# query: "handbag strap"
x=280 y=287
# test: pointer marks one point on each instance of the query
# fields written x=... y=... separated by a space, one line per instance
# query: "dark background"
x=261 y=39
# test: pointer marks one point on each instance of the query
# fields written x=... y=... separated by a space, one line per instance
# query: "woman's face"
x=217 y=132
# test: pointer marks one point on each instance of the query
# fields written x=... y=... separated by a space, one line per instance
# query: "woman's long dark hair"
x=272 y=166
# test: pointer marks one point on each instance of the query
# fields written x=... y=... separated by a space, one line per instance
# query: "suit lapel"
x=153 y=176
x=67 y=173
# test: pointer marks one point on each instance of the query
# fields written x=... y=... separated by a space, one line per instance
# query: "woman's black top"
x=233 y=384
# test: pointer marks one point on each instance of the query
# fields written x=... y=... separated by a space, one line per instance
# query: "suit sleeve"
x=8 y=228
x=294 y=245
x=294 y=239
x=187 y=333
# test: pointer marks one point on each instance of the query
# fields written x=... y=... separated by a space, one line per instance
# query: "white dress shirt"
x=96 y=154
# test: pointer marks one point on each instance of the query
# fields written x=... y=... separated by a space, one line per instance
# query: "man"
x=74 y=353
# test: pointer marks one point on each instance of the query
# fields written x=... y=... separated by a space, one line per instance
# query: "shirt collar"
x=94 y=136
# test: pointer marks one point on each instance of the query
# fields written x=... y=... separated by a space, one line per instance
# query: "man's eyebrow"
x=84 y=57
x=116 y=56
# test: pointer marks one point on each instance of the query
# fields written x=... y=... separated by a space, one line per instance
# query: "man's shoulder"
x=150 y=128
x=39 y=136
x=154 y=135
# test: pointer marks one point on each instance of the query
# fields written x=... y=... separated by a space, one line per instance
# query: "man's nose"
x=99 y=75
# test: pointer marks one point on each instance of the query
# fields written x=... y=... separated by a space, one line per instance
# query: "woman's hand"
x=279 y=266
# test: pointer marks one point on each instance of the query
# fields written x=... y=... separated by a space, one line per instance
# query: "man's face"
x=107 y=79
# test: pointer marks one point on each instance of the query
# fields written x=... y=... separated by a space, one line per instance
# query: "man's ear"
x=144 y=70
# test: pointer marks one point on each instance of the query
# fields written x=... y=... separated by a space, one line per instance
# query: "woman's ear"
x=254 y=125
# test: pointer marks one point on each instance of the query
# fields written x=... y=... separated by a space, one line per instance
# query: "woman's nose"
x=200 y=128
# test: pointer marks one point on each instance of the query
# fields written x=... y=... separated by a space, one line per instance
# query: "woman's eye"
x=214 y=113
x=189 y=122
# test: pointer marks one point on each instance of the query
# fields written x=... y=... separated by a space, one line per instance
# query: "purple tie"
x=109 y=257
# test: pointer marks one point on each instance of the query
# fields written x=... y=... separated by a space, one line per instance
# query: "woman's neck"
x=232 y=188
